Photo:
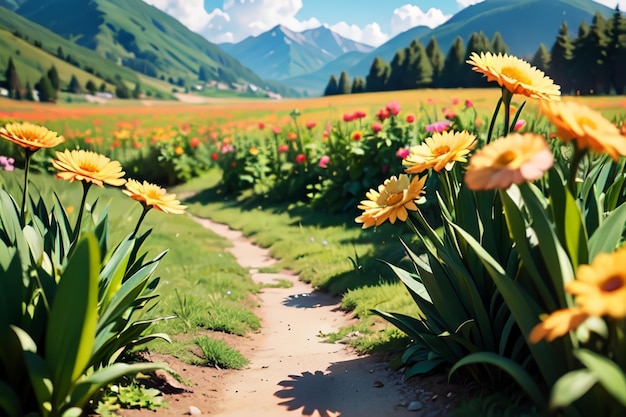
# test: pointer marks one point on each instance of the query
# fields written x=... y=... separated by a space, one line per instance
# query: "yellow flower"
x=440 y=151
x=151 y=195
x=558 y=324
x=391 y=201
x=600 y=288
x=515 y=75
x=254 y=151
x=88 y=166
x=513 y=159
x=179 y=150
x=587 y=127
x=31 y=136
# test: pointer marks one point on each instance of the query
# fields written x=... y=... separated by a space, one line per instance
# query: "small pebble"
x=194 y=411
x=415 y=406
x=378 y=384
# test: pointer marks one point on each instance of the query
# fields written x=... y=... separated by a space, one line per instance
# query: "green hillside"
x=138 y=36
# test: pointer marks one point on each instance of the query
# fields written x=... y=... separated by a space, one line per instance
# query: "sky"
x=372 y=22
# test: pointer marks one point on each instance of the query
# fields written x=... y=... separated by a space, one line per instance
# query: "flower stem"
x=573 y=169
x=27 y=156
x=145 y=211
x=506 y=99
x=493 y=119
x=86 y=186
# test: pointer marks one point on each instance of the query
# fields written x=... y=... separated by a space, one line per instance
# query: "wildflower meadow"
x=509 y=201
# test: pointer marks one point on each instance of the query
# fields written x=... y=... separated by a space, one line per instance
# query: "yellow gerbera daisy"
x=600 y=288
x=515 y=75
x=440 y=151
x=88 y=166
x=31 y=136
x=558 y=324
x=513 y=159
x=391 y=201
x=586 y=127
x=151 y=195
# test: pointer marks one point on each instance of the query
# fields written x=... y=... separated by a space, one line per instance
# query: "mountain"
x=138 y=36
x=523 y=24
x=281 y=53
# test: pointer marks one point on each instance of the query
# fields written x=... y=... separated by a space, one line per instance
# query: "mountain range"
x=130 y=39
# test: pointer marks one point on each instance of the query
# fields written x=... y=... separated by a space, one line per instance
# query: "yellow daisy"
x=31 y=136
x=88 y=166
x=151 y=195
x=513 y=159
x=586 y=127
x=600 y=288
x=440 y=151
x=391 y=201
x=515 y=75
x=558 y=324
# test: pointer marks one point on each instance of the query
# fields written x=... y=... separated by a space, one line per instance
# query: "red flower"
x=468 y=104
x=276 y=130
x=393 y=107
x=283 y=148
x=301 y=158
x=292 y=136
x=410 y=118
x=261 y=125
x=214 y=156
x=311 y=124
x=347 y=117
x=376 y=127
x=357 y=135
x=195 y=142
x=382 y=114
x=359 y=114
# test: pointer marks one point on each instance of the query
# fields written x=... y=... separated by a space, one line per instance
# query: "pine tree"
x=589 y=61
x=103 y=87
x=419 y=67
x=13 y=81
x=541 y=59
x=397 y=70
x=561 y=55
x=46 y=90
x=90 y=86
x=74 y=85
x=437 y=60
x=121 y=89
x=378 y=76
x=202 y=74
x=53 y=76
x=28 y=94
x=345 y=85
x=478 y=43
x=331 y=87
x=358 y=86
x=616 y=51
x=454 y=67
x=137 y=90
x=498 y=46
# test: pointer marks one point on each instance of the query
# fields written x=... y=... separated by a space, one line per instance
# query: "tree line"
x=593 y=62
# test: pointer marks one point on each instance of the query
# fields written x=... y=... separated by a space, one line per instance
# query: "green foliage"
x=128 y=396
x=219 y=354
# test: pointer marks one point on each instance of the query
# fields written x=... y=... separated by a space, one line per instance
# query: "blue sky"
x=369 y=21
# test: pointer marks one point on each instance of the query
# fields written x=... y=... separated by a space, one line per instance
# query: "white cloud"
x=464 y=3
x=613 y=3
x=409 y=16
x=371 y=34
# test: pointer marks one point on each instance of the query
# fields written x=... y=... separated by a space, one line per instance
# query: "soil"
x=292 y=370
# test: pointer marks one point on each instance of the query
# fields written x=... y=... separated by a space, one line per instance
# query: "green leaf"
x=113 y=272
x=514 y=369
x=423 y=367
x=571 y=386
x=608 y=236
x=608 y=373
x=9 y=401
x=73 y=317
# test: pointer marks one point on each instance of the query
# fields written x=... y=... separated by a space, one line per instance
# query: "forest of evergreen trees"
x=587 y=64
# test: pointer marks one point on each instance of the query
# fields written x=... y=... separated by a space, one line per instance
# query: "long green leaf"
x=113 y=272
x=608 y=236
x=608 y=373
x=9 y=401
x=73 y=317
x=519 y=374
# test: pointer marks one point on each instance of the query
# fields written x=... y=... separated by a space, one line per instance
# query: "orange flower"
x=392 y=200
x=600 y=288
x=292 y=136
x=440 y=151
x=586 y=127
x=253 y=150
x=515 y=75
x=88 y=166
x=558 y=324
x=30 y=136
x=151 y=195
x=179 y=150
x=513 y=159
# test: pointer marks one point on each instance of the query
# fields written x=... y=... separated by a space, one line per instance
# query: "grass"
x=219 y=354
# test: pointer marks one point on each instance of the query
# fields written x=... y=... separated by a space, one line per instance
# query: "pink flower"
x=301 y=158
x=393 y=107
x=455 y=101
x=325 y=135
x=382 y=114
x=347 y=117
x=276 y=130
x=310 y=124
x=323 y=163
x=403 y=153
x=468 y=104
x=261 y=125
x=283 y=148
x=227 y=148
x=438 y=127
x=359 y=114
x=449 y=114
x=410 y=118
x=519 y=124
x=376 y=127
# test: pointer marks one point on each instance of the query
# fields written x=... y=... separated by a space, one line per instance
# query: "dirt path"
x=292 y=371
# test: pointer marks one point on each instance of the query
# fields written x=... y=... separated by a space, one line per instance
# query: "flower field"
x=518 y=215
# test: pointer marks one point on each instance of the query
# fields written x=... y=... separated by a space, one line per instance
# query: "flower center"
x=585 y=121
x=393 y=199
x=614 y=283
x=504 y=159
x=516 y=74
x=89 y=167
x=441 y=150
